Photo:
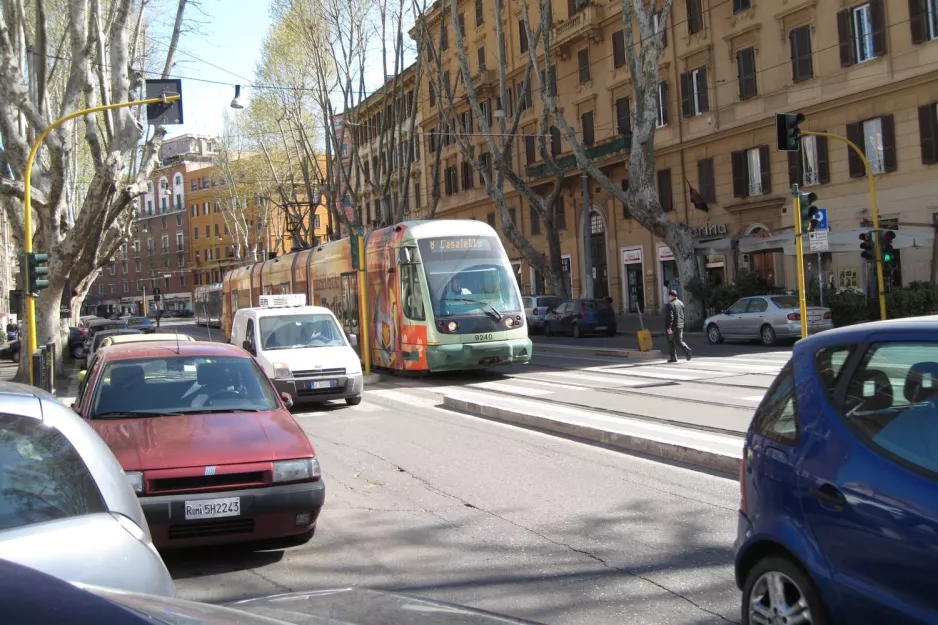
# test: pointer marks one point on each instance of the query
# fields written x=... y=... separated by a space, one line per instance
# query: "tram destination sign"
x=443 y=245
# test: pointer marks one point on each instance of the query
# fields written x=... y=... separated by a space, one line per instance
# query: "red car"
x=213 y=453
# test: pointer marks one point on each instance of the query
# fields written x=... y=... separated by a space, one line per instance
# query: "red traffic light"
x=889 y=236
x=865 y=237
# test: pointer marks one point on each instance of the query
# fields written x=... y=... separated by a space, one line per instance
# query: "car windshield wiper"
x=493 y=313
x=127 y=413
x=211 y=411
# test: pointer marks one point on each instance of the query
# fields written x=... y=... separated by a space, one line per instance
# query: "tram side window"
x=412 y=293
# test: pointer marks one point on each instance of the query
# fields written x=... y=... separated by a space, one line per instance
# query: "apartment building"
x=865 y=70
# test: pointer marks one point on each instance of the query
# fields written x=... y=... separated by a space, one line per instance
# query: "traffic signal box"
x=787 y=132
x=37 y=271
x=810 y=214
x=868 y=245
x=886 y=237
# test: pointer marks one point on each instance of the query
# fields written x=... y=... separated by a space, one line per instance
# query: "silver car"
x=536 y=308
x=768 y=318
x=66 y=507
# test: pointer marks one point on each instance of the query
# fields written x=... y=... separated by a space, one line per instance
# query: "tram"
x=440 y=295
x=207 y=305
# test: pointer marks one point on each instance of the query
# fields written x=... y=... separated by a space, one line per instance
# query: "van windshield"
x=299 y=331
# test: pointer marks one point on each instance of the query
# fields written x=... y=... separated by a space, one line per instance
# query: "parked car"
x=85 y=320
x=581 y=316
x=99 y=326
x=123 y=339
x=211 y=450
x=141 y=323
x=76 y=342
x=11 y=351
x=536 y=308
x=839 y=481
x=95 y=343
x=66 y=507
x=30 y=596
x=768 y=318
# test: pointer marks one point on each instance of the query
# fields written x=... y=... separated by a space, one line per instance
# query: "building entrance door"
x=636 y=287
x=598 y=253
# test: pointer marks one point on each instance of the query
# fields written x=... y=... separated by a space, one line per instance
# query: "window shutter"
x=823 y=160
x=746 y=70
x=702 y=90
x=845 y=39
x=889 y=142
x=686 y=95
x=766 y=165
x=623 y=120
x=618 y=48
x=626 y=213
x=855 y=165
x=917 y=16
x=665 y=195
x=560 y=214
x=706 y=181
x=795 y=165
x=693 y=16
x=928 y=129
x=878 y=19
x=522 y=37
x=535 y=220
x=586 y=121
x=529 y=151
x=583 y=61
x=665 y=101
x=740 y=174
x=555 y=146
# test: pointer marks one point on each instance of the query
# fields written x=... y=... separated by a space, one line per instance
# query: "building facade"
x=864 y=70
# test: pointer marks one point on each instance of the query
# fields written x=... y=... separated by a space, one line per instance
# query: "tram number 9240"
x=484 y=337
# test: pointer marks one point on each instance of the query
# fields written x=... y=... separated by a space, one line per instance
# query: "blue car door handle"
x=830 y=495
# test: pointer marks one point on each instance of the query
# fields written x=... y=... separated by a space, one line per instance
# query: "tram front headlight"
x=452 y=326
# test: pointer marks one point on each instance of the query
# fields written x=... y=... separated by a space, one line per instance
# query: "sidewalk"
x=66 y=378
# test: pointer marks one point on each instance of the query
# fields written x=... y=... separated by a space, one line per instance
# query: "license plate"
x=322 y=384
x=814 y=318
x=213 y=508
x=600 y=327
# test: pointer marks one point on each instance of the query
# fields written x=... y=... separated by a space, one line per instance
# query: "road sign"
x=170 y=112
x=817 y=241
x=822 y=224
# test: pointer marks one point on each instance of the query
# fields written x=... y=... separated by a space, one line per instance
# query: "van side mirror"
x=353 y=340
x=246 y=345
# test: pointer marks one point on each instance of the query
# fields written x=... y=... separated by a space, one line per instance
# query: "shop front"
x=633 y=277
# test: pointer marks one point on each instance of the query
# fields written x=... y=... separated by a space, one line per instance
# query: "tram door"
x=350 y=314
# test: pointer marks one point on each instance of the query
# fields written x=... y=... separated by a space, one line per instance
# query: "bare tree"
x=37 y=87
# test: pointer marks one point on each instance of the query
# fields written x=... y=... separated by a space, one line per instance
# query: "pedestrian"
x=674 y=320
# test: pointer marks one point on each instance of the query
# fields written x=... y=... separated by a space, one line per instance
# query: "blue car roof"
x=861 y=331
x=29 y=596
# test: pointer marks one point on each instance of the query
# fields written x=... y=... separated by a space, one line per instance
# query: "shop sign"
x=565 y=264
x=709 y=230
x=665 y=253
x=631 y=256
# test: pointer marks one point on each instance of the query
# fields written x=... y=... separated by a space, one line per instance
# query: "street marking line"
x=365 y=407
x=753 y=398
x=318 y=413
x=582 y=376
x=510 y=388
x=412 y=399
x=569 y=387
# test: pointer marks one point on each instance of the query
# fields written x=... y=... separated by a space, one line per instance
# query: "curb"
x=372 y=378
x=700 y=458
x=614 y=352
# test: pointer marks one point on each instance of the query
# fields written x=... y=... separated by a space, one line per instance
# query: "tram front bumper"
x=457 y=356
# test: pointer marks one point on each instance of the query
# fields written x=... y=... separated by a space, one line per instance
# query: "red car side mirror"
x=287 y=400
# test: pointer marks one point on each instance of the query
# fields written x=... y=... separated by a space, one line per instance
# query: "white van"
x=301 y=348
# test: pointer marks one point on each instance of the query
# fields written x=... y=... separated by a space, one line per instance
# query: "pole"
x=820 y=278
x=799 y=262
x=875 y=209
x=587 y=251
x=32 y=342
x=362 y=305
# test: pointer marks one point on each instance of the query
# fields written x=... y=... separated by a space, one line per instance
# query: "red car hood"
x=203 y=439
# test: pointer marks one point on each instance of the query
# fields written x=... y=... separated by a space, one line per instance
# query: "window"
x=583 y=63
x=480 y=55
x=524 y=95
x=811 y=165
x=626 y=213
x=923 y=19
x=205 y=208
x=112 y=269
x=560 y=214
x=182 y=280
x=178 y=220
x=662 y=103
x=618 y=49
x=207 y=231
x=100 y=289
x=451 y=180
x=195 y=233
x=180 y=260
x=113 y=289
x=694 y=96
x=707 y=180
x=480 y=13
x=195 y=210
x=467 y=175
x=877 y=138
x=149 y=207
x=586 y=123
x=665 y=192
x=776 y=417
x=138 y=266
x=166 y=283
x=530 y=154
x=660 y=28
x=432 y=94
x=461 y=20
x=928 y=131
x=490 y=219
x=861 y=33
x=513 y=216
x=208 y=254
x=163 y=207
x=44 y=477
x=746 y=73
x=556 y=147
x=195 y=184
x=216 y=231
x=412 y=292
x=751 y=172
x=178 y=205
x=163 y=223
x=485 y=164
x=623 y=116
x=444 y=37
x=179 y=241
x=123 y=266
x=830 y=362
x=694 y=17
x=741 y=5
x=522 y=37
x=535 y=219
x=125 y=287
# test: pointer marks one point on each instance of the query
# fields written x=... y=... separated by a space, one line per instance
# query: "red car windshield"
x=175 y=385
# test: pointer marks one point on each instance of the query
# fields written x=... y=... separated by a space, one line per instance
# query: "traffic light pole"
x=364 y=345
x=799 y=261
x=32 y=341
x=873 y=206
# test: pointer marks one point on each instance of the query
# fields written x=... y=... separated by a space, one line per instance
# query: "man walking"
x=674 y=319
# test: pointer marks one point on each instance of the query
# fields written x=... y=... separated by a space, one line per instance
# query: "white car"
x=301 y=348
x=536 y=308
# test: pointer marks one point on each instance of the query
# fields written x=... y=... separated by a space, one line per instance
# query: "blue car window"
x=830 y=363
x=891 y=403
x=777 y=416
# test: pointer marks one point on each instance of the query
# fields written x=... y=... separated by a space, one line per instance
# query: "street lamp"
x=236 y=103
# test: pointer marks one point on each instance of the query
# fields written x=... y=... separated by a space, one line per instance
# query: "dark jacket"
x=674 y=316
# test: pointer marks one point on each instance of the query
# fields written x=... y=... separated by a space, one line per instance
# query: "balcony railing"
x=597 y=152
x=585 y=22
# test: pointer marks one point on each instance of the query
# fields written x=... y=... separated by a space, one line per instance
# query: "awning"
x=847 y=241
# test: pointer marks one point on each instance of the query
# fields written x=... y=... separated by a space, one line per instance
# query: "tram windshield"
x=469 y=275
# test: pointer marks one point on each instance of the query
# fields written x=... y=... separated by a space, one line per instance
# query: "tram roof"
x=448 y=227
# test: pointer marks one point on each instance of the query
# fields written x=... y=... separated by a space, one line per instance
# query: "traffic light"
x=885 y=245
x=787 y=132
x=810 y=214
x=868 y=246
x=354 y=242
x=36 y=272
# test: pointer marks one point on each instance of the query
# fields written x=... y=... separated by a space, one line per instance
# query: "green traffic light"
x=787 y=132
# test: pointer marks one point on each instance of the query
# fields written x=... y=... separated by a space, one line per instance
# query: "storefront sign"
x=709 y=230
x=631 y=256
x=664 y=253
x=565 y=264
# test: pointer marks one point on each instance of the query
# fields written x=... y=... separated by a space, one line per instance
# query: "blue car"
x=838 y=519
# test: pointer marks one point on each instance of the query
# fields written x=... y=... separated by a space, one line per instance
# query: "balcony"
x=598 y=152
x=587 y=22
x=485 y=82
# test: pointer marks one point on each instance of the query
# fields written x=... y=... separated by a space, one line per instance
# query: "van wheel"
x=576 y=331
x=778 y=591
x=353 y=401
